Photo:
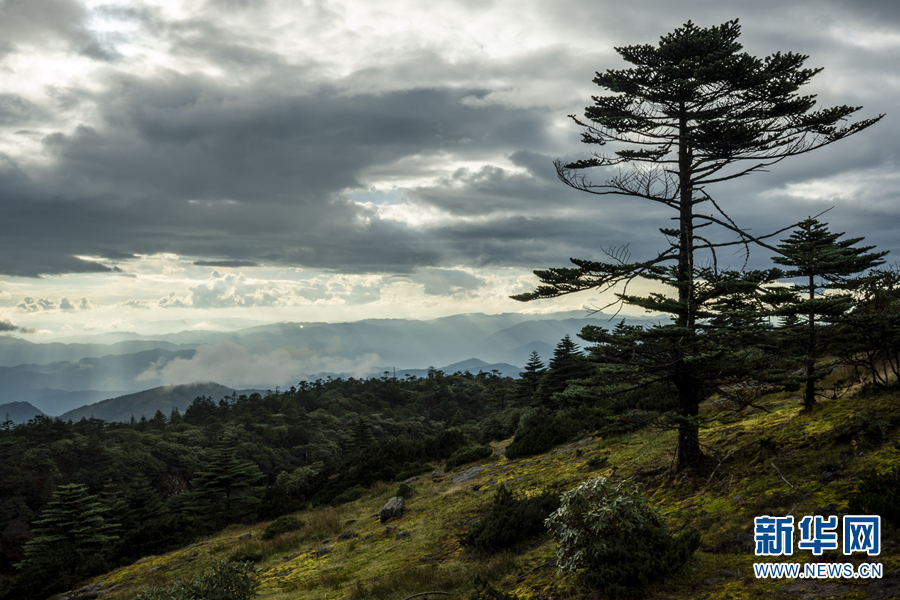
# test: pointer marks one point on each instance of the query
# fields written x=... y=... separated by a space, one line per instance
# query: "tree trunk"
x=809 y=398
x=689 y=453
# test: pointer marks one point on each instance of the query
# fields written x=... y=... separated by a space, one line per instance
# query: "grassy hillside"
x=762 y=463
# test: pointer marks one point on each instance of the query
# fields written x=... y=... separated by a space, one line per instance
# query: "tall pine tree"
x=691 y=112
x=825 y=263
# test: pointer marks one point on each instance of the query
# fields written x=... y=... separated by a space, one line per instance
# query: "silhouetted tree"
x=531 y=378
x=826 y=264
x=568 y=363
x=692 y=112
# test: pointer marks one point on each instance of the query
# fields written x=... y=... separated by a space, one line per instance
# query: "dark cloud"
x=224 y=263
x=256 y=164
x=48 y=23
x=7 y=326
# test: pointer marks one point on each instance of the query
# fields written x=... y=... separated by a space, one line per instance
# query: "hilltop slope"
x=762 y=463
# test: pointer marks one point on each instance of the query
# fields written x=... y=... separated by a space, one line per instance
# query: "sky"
x=167 y=165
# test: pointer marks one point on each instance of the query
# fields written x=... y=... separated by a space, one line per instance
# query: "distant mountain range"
x=473 y=366
x=58 y=378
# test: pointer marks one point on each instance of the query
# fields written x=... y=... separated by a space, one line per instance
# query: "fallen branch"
x=793 y=487
x=427 y=593
x=713 y=474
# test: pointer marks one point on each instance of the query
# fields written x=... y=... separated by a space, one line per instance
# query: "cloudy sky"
x=167 y=164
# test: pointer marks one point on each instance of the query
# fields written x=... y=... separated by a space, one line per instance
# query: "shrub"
x=867 y=425
x=225 y=581
x=879 y=494
x=510 y=521
x=280 y=526
x=538 y=432
x=500 y=424
x=405 y=491
x=622 y=543
x=354 y=493
x=467 y=455
x=628 y=422
x=412 y=470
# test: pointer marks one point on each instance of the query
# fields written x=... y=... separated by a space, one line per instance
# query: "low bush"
x=354 y=493
x=405 y=491
x=280 y=526
x=628 y=422
x=866 y=426
x=226 y=580
x=511 y=520
x=467 y=455
x=412 y=470
x=615 y=538
x=501 y=424
x=538 y=432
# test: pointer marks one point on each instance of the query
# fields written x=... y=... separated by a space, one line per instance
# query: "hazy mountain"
x=18 y=412
x=280 y=354
x=15 y=351
x=146 y=403
x=110 y=372
x=55 y=402
x=472 y=365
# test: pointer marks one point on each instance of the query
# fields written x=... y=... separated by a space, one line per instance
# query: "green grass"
x=739 y=483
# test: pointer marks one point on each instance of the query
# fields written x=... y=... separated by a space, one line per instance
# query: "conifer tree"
x=159 y=420
x=531 y=378
x=826 y=264
x=691 y=112
x=869 y=337
x=221 y=493
x=71 y=537
x=362 y=434
x=568 y=363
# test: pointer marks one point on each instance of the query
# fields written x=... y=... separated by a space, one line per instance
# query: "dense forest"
x=165 y=480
